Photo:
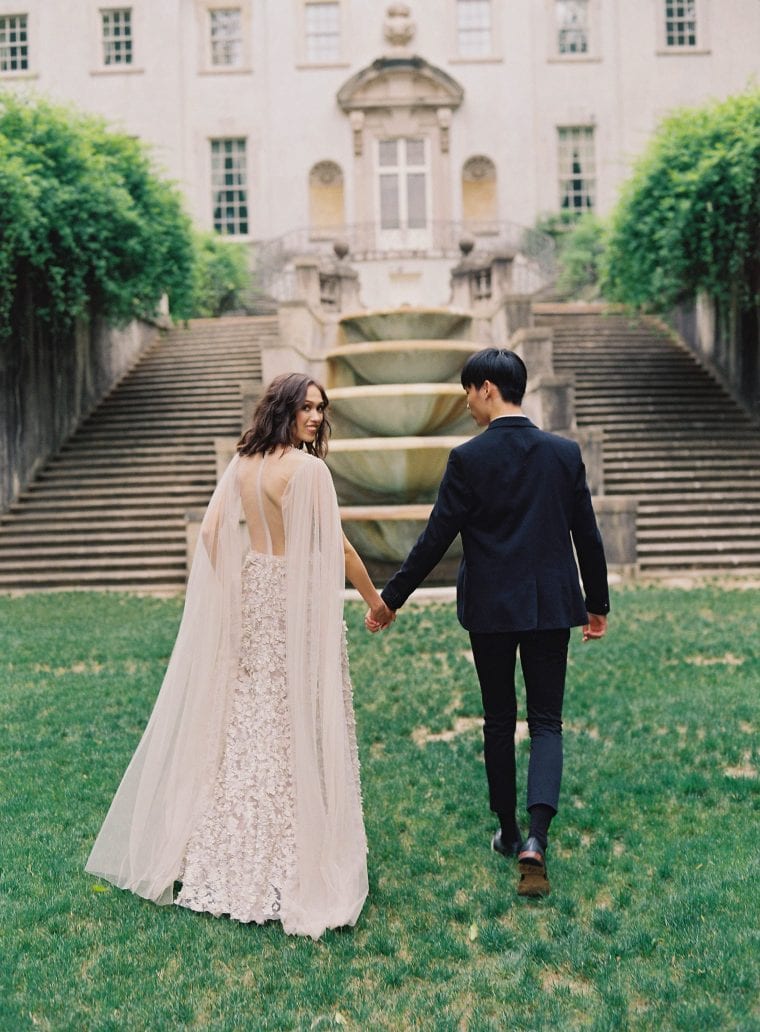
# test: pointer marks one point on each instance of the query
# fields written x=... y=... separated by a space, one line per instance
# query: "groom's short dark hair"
x=504 y=368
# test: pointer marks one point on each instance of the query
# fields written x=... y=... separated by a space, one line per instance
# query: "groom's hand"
x=595 y=628
x=379 y=617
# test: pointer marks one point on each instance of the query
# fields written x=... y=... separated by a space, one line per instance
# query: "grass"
x=654 y=921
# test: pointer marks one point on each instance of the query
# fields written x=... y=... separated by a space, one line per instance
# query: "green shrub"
x=580 y=256
x=688 y=218
x=86 y=224
x=580 y=245
x=220 y=274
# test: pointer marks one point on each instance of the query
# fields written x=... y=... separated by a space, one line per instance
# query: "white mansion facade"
x=401 y=121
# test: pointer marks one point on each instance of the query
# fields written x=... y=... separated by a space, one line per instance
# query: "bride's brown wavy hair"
x=275 y=416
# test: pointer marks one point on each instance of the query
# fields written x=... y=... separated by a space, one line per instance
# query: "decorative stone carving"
x=478 y=168
x=357 y=127
x=399 y=28
x=400 y=82
x=444 y=124
x=340 y=249
x=326 y=173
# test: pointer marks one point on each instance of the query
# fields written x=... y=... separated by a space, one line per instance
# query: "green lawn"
x=654 y=921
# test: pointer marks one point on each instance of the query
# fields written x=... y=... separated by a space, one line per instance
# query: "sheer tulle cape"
x=142 y=842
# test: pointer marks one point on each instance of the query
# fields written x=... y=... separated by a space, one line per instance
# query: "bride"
x=245 y=785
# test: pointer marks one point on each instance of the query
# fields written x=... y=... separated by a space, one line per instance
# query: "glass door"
x=404 y=193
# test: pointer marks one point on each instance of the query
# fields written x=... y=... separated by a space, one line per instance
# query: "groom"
x=518 y=497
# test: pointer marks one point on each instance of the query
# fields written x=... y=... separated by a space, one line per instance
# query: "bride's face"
x=309 y=416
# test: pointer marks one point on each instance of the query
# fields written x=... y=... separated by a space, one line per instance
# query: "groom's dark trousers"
x=543 y=657
x=519 y=499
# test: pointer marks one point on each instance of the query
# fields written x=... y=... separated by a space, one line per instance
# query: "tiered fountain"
x=397 y=405
x=397 y=409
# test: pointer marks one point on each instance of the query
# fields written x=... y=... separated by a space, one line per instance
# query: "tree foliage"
x=86 y=223
x=688 y=220
x=220 y=274
x=580 y=243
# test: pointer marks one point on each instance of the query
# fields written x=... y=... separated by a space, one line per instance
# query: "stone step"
x=176 y=502
x=691 y=504
x=708 y=450
x=134 y=563
x=652 y=411
x=103 y=436
x=97 y=513
x=173 y=397
x=644 y=490
x=671 y=554
x=19 y=558
x=656 y=438
x=156 y=581
x=696 y=522
x=694 y=535
x=133 y=522
x=130 y=473
x=174 y=451
x=137 y=485
x=677 y=465
x=92 y=534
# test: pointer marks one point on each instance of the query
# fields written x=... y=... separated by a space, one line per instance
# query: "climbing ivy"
x=688 y=220
x=86 y=223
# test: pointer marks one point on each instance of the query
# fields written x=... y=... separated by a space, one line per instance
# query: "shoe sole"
x=533 y=880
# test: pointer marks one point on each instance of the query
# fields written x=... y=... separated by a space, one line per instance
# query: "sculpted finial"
x=399 y=28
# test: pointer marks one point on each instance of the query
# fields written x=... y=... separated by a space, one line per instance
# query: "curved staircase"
x=673 y=437
x=107 y=512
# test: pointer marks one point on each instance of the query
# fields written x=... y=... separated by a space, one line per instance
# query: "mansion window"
x=577 y=168
x=474 y=28
x=14 y=43
x=403 y=171
x=226 y=28
x=680 y=23
x=229 y=187
x=322 y=23
x=116 y=23
x=572 y=21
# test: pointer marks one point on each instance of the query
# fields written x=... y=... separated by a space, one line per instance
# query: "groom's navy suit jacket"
x=518 y=497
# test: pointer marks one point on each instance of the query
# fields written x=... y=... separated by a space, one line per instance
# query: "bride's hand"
x=379 y=617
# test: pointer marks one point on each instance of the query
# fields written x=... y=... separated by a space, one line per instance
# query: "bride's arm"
x=356 y=572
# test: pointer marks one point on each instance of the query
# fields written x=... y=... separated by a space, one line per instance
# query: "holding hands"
x=379 y=617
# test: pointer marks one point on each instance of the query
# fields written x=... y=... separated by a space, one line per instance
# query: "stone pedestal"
x=617 y=523
x=535 y=346
x=250 y=392
x=339 y=288
x=481 y=281
x=591 y=442
x=550 y=402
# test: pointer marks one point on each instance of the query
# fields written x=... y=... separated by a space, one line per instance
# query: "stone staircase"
x=107 y=512
x=673 y=437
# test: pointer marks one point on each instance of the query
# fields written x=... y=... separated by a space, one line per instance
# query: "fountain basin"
x=386 y=533
x=383 y=469
x=399 y=361
x=400 y=410
x=402 y=323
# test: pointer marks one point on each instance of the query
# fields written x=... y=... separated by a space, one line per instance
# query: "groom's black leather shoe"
x=506 y=849
x=531 y=862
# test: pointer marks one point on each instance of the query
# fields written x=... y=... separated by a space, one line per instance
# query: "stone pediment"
x=400 y=82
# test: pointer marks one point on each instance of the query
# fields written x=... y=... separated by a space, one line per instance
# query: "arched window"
x=480 y=203
x=325 y=198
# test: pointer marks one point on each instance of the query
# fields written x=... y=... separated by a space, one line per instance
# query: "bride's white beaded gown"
x=245 y=786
